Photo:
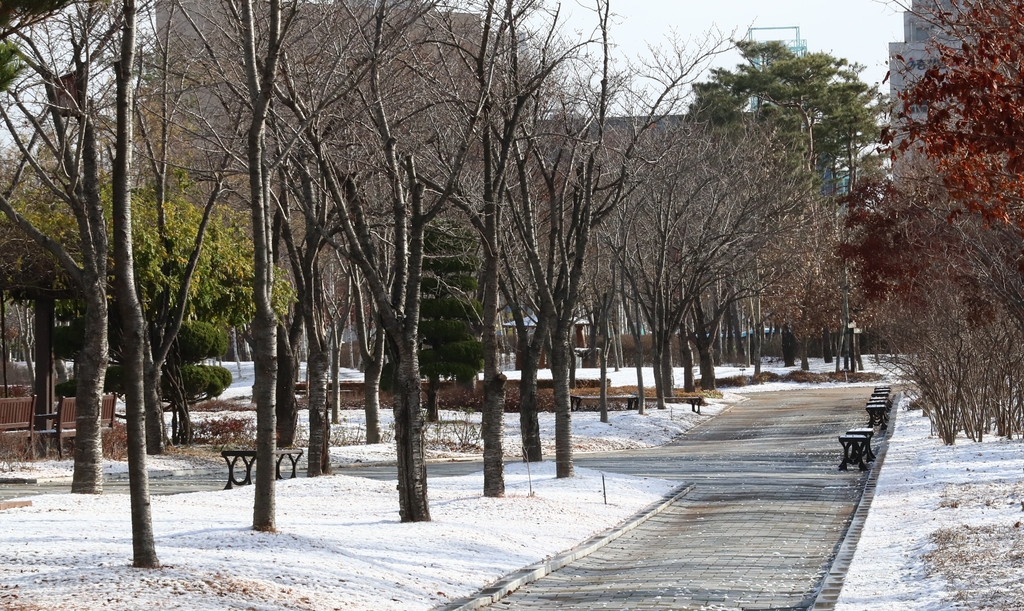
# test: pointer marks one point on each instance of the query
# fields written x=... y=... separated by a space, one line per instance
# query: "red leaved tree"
x=966 y=112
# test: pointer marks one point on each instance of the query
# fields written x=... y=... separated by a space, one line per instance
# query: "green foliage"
x=200 y=340
x=68 y=341
x=113 y=383
x=812 y=96
x=10 y=64
x=221 y=288
x=202 y=382
x=450 y=351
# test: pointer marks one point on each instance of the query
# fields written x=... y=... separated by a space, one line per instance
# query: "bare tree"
x=53 y=122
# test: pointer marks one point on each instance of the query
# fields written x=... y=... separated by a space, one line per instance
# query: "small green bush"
x=200 y=340
x=113 y=383
x=203 y=382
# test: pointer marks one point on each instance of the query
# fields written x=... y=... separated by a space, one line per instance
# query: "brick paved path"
x=759 y=530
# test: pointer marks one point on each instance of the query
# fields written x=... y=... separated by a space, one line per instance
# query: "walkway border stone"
x=513 y=581
x=832 y=584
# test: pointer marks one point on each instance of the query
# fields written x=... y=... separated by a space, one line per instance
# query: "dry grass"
x=983 y=564
x=14 y=450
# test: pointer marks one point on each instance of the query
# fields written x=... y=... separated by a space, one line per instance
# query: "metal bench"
x=695 y=402
x=855 y=450
x=869 y=433
x=248 y=458
x=877 y=416
x=576 y=401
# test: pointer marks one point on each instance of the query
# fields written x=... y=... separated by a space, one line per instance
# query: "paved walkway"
x=759 y=530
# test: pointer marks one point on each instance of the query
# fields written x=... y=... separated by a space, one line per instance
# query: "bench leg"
x=293 y=458
x=232 y=482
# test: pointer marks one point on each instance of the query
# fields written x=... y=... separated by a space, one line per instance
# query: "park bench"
x=60 y=425
x=576 y=401
x=248 y=458
x=695 y=402
x=869 y=433
x=16 y=414
x=855 y=450
x=877 y=415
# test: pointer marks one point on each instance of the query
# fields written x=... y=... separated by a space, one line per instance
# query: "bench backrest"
x=66 y=414
x=16 y=413
x=107 y=410
x=67 y=411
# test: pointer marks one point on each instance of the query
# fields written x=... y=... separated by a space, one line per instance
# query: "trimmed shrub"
x=199 y=340
x=203 y=382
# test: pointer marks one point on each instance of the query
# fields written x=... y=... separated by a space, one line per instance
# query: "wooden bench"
x=576 y=401
x=695 y=402
x=61 y=424
x=855 y=450
x=248 y=458
x=16 y=414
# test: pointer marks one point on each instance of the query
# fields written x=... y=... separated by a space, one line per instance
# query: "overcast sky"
x=858 y=30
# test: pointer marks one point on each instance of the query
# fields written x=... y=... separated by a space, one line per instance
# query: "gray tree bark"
x=133 y=324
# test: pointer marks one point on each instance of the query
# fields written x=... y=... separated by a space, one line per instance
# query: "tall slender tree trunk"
x=529 y=420
x=371 y=390
x=493 y=417
x=286 y=407
x=561 y=352
x=92 y=365
x=318 y=455
x=335 y=397
x=260 y=78
x=686 y=354
x=156 y=428
x=412 y=470
x=133 y=324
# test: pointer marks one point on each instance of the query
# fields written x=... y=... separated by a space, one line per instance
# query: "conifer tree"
x=447 y=312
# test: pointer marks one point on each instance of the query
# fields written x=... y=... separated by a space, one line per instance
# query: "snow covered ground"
x=945 y=529
x=946 y=526
x=339 y=545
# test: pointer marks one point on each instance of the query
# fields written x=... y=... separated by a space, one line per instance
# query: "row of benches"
x=17 y=416
x=856 y=443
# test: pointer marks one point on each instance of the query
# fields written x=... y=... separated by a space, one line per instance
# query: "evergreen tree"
x=449 y=351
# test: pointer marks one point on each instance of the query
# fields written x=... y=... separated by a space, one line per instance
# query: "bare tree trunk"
x=133 y=324
x=335 y=397
x=633 y=321
x=371 y=389
x=561 y=352
x=684 y=348
x=287 y=410
x=412 y=479
x=604 y=370
x=92 y=365
x=317 y=366
x=493 y=417
x=260 y=77
x=156 y=428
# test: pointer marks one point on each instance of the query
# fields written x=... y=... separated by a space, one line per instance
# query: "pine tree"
x=450 y=351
